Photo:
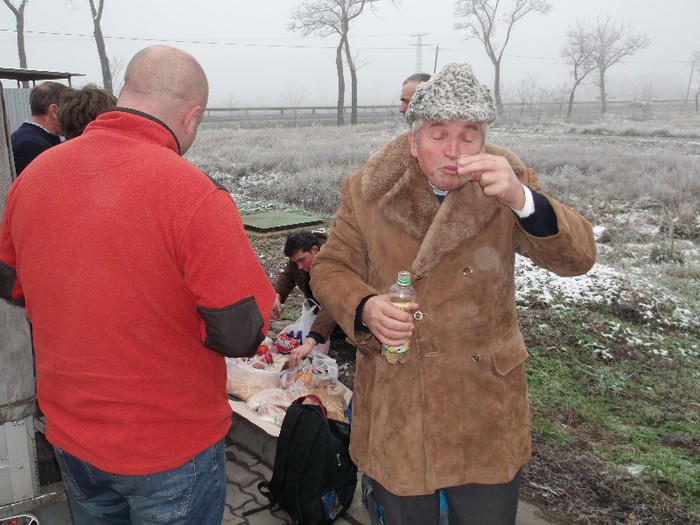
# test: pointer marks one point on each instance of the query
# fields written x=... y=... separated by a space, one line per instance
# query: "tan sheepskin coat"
x=457 y=411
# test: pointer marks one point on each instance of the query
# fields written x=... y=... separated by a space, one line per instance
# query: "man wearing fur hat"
x=453 y=210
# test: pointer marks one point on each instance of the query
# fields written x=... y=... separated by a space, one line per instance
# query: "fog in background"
x=252 y=59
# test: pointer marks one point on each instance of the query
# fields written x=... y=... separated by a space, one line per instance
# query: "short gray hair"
x=43 y=95
x=417 y=77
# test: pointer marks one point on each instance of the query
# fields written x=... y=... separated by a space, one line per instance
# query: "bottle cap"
x=403 y=278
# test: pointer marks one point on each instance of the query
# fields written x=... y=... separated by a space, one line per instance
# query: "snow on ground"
x=602 y=285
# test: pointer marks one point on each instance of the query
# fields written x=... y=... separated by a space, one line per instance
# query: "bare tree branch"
x=325 y=18
x=578 y=51
x=613 y=42
x=100 y=41
x=21 y=48
x=696 y=65
x=482 y=19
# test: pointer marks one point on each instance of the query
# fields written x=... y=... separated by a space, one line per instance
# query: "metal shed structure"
x=20 y=488
x=32 y=75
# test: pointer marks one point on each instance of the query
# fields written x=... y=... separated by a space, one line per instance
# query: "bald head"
x=167 y=83
x=166 y=73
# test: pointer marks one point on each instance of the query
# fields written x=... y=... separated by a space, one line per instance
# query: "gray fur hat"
x=453 y=94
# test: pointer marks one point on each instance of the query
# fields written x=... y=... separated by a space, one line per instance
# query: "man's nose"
x=452 y=149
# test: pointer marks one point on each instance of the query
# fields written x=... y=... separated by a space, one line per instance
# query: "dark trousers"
x=471 y=504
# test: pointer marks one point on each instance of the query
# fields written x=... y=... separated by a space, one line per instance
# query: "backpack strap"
x=264 y=488
x=313 y=397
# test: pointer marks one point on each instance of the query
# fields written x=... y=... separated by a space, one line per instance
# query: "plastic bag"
x=245 y=377
x=333 y=396
x=270 y=404
x=321 y=371
x=293 y=335
x=325 y=369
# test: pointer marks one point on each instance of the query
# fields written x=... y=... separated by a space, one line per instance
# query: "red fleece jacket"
x=116 y=241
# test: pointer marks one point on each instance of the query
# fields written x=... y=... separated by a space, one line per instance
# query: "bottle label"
x=396 y=353
x=397 y=349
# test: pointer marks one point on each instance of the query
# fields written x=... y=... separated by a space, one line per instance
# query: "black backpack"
x=313 y=478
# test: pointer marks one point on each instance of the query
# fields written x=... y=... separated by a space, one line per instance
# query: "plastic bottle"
x=402 y=295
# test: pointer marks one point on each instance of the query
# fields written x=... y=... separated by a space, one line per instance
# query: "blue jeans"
x=192 y=494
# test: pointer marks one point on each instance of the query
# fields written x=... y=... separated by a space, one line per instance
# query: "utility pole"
x=690 y=81
x=437 y=50
x=419 y=51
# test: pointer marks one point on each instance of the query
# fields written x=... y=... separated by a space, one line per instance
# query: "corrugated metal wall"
x=18 y=468
x=16 y=372
x=17 y=106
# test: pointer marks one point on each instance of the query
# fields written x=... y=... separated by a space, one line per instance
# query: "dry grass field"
x=614 y=366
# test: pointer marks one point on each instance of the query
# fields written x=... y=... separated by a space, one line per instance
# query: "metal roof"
x=32 y=75
x=276 y=221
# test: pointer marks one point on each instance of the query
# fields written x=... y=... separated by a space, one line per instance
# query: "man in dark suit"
x=43 y=131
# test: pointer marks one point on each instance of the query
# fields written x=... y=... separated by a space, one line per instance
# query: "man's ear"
x=414 y=144
x=192 y=119
x=314 y=249
x=53 y=111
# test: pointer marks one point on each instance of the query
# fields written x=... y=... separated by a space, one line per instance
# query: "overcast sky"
x=252 y=59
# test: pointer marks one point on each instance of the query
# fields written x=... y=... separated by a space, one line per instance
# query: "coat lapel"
x=462 y=215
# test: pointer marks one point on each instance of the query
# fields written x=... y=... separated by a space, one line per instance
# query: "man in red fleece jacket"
x=137 y=278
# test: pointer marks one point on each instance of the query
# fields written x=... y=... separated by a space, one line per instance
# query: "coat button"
x=467 y=271
x=476 y=358
x=418 y=315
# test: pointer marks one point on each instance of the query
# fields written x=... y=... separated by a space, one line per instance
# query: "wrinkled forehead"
x=454 y=124
x=450 y=126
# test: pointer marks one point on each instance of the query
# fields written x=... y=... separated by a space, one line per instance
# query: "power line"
x=175 y=40
x=418 y=46
x=204 y=42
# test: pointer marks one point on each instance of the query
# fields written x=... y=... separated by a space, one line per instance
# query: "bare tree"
x=327 y=17
x=18 y=11
x=560 y=96
x=613 y=42
x=643 y=101
x=696 y=65
x=232 y=103
x=526 y=91
x=482 y=21
x=117 y=66
x=294 y=100
x=578 y=51
x=100 y=41
x=353 y=82
x=354 y=64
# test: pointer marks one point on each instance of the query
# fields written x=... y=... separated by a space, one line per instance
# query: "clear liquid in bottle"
x=402 y=295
